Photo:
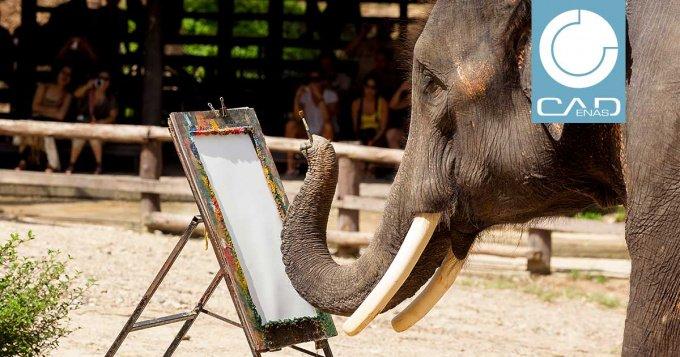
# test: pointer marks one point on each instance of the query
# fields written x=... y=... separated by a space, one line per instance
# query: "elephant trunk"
x=340 y=289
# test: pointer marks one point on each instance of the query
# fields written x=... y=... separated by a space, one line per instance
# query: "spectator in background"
x=96 y=105
x=319 y=105
x=400 y=106
x=340 y=83
x=370 y=114
x=50 y=102
x=385 y=73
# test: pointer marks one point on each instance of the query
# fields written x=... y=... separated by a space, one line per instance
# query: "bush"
x=36 y=295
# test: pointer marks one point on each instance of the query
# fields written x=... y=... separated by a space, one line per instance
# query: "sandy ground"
x=558 y=315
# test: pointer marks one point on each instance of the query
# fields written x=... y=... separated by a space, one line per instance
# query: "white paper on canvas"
x=252 y=219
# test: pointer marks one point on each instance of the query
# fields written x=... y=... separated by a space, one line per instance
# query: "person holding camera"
x=97 y=105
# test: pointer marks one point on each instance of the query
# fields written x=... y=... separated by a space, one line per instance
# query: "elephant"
x=473 y=160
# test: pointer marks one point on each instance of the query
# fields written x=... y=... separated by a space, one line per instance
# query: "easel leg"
x=199 y=308
x=323 y=344
x=153 y=287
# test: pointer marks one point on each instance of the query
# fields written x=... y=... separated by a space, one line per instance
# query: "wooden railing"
x=348 y=200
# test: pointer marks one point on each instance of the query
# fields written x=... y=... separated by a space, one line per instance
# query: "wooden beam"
x=141 y=133
x=501 y=250
x=176 y=223
x=176 y=186
x=119 y=133
x=121 y=183
x=170 y=223
x=575 y=225
x=352 y=151
x=352 y=202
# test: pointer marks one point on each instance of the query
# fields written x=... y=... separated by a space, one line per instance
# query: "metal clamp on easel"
x=223 y=110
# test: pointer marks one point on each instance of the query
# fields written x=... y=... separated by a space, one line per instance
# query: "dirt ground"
x=568 y=314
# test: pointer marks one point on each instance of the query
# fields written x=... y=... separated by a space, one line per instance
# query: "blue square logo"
x=578 y=61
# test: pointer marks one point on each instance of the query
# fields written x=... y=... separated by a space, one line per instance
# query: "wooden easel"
x=190 y=316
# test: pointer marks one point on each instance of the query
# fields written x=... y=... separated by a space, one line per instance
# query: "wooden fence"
x=348 y=200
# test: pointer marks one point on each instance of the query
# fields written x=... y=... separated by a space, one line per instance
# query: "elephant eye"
x=433 y=87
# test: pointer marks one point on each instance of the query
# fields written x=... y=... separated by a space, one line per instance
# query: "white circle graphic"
x=578 y=48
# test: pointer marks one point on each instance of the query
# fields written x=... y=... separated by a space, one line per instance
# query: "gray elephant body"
x=474 y=155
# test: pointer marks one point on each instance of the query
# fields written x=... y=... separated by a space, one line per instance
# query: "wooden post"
x=150 y=163
x=273 y=65
x=349 y=178
x=225 y=37
x=150 y=159
x=403 y=18
x=152 y=82
x=540 y=243
x=23 y=84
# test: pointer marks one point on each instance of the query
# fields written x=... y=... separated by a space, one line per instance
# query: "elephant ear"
x=524 y=67
x=519 y=41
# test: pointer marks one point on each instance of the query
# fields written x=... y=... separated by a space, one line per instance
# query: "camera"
x=98 y=82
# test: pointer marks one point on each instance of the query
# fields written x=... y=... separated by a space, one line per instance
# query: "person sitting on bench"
x=50 y=102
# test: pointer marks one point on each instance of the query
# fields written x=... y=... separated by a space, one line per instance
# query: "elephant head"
x=473 y=159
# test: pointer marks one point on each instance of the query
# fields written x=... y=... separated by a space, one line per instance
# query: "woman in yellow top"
x=370 y=114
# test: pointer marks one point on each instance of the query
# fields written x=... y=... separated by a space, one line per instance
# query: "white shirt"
x=313 y=112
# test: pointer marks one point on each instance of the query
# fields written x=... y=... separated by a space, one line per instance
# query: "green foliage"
x=191 y=26
x=242 y=29
x=597 y=214
x=201 y=50
x=253 y=28
x=245 y=51
x=251 y=6
x=202 y=27
x=201 y=5
x=620 y=214
x=591 y=215
x=580 y=275
x=547 y=292
x=294 y=7
x=36 y=295
x=131 y=26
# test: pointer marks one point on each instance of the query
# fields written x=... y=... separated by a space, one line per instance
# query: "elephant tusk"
x=416 y=240
x=441 y=281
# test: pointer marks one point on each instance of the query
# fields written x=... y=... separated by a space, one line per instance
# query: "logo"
x=583 y=32
x=579 y=76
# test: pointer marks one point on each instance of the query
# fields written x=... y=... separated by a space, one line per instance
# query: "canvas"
x=242 y=201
